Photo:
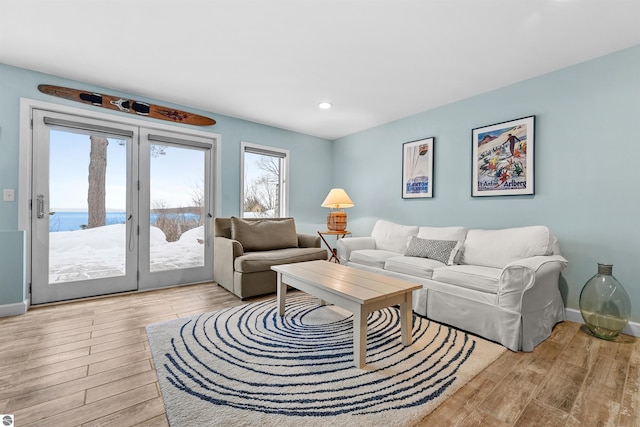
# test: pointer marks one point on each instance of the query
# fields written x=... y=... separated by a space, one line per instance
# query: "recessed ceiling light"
x=324 y=105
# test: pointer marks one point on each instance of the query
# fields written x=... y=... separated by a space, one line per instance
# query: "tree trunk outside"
x=97 y=178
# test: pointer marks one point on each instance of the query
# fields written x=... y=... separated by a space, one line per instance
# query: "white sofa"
x=498 y=284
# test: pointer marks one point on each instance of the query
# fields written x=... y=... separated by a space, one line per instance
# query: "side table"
x=334 y=251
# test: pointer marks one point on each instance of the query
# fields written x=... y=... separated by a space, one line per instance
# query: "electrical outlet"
x=8 y=195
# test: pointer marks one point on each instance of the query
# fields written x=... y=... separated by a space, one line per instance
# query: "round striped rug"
x=246 y=365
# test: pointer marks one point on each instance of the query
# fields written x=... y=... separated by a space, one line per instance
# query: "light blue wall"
x=310 y=161
x=586 y=151
x=12 y=266
x=586 y=167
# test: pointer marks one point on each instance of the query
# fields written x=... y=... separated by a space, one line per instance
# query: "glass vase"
x=604 y=304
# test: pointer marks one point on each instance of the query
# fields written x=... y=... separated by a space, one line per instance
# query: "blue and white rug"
x=247 y=366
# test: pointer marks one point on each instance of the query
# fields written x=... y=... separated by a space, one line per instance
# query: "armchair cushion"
x=308 y=241
x=252 y=262
x=264 y=234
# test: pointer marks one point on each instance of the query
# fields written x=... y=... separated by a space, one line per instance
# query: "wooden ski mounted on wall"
x=127 y=105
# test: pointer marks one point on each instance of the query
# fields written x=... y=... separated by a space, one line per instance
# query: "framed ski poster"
x=417 y=169
x=503 y=158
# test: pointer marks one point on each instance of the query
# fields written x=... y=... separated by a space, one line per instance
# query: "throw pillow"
x=444 y=251
x=264 y=234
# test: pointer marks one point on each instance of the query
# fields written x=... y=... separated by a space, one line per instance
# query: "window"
x=264 y=181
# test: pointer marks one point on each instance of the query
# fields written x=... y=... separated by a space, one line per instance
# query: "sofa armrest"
x=308 y=241
x=350 y=244
x=225 y=251
x=536 y=275
x=536 y=262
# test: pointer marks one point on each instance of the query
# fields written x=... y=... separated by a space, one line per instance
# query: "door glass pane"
x=177 y=176
x=87 y=206
x=262 y=186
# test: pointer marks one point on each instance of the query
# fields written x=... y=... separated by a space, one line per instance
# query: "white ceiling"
x=273 y=61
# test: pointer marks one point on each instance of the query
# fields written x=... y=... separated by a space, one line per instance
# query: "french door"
x=116 y=207
x=176 y=215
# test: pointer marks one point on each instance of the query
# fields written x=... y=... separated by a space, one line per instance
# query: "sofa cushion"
x=497 y=248
x=371 y=257
x=252 y=262
x=442 y=233
x=264 y=234
x=413 y=266
x=444 y=251
x=392 y=237
x=483 y=279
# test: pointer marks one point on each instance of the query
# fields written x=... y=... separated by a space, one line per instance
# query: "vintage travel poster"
x=503 y=158
x=417 y=168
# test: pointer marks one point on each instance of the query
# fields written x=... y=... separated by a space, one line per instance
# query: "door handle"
x=40 y=207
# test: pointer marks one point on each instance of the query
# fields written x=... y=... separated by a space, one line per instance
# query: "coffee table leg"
x=406 y=315
x=281 y=292
x=360 y=338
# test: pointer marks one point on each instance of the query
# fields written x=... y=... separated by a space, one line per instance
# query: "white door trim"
x=25 y=157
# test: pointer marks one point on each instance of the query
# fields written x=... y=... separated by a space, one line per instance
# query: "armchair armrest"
x=225 y=251
x=308 y=241
x=346 y=246
x=536 y=275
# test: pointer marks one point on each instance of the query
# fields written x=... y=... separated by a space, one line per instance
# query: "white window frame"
x=284 y=173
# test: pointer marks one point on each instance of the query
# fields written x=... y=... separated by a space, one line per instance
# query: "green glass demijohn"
x=604 y=304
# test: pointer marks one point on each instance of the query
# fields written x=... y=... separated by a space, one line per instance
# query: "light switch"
x=8 y=195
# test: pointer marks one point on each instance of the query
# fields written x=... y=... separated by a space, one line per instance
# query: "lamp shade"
x=337 y=199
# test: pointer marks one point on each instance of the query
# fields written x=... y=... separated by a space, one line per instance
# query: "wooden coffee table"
x=358 y=291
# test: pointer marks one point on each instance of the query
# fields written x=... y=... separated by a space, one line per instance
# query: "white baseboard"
x=15 y=309
x=574 y=315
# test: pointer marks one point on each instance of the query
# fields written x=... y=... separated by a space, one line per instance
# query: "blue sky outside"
x=252 y=171
x=175 y=175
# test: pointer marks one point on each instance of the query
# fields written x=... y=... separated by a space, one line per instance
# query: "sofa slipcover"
x=501 y=285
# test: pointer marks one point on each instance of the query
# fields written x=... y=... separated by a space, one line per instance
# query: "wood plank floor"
x=87 y=363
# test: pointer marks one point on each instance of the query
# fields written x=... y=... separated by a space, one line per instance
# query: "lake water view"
x=71 y=221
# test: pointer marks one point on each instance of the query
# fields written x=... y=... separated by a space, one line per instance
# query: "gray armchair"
x=245 y=249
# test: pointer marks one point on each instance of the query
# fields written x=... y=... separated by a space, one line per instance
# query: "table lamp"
x=337 y=200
